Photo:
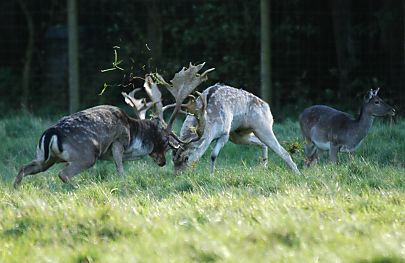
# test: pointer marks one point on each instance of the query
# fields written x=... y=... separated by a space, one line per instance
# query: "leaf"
x=104 y=88
x=109 y=69
x=117 y=63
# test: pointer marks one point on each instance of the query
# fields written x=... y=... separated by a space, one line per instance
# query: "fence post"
x=265 y=52
x=73 y=56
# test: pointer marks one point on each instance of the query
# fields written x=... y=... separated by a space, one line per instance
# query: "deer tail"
x=50 y=141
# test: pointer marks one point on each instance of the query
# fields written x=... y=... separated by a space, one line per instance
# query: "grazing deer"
x=224 y=113
x=105 y=132
x=325 y=128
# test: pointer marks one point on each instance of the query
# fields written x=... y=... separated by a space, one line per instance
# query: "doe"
x=325 y=128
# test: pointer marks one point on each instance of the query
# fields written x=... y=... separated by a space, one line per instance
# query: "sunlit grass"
x=352 y=212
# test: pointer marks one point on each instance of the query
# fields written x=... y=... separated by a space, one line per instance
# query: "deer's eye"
x=376 y=102
x=186 y=158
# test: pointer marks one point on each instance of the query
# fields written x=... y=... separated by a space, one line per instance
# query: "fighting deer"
x=325 y=128
x=225 y=113
x=105 y=132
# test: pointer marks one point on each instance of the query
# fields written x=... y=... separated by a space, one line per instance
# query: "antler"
x=154 y=94
x=183 y=83
x=140 y=106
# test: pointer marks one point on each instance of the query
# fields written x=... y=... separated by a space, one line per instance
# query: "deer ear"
x=376 y=91
x=369 y=96
x=173 y=143
x=155 y=119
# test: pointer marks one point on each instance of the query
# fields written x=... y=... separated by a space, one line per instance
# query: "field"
x=352 y=212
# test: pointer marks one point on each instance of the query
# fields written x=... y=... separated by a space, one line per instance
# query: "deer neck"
x=142 y=129
x=363 y=124
x=142 y=136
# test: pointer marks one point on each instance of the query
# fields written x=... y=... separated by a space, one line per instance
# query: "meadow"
x=351 y=212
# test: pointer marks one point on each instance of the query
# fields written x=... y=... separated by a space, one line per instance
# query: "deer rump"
x=90 y=133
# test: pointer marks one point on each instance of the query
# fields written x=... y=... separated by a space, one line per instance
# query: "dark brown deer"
x=106 y=132
x=223 y=113
x=325 y=128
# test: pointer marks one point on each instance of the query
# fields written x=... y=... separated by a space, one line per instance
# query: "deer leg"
x=267 y=136
x=117 y=152
x=265 y=154
x=333 y=149
x=250 y=139
x=33 y=167
x=351 y=156
x=311 y=153
x=75 y=167
x=217 y=148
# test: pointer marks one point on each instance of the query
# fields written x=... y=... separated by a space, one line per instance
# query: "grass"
x=352 y=212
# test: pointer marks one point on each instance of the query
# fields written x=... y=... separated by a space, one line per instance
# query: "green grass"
x=352 y=212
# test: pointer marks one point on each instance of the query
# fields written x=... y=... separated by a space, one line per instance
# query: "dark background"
x=322 y=51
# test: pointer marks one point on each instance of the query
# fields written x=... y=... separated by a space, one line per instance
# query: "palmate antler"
x=154 y=94
x=140 y=106
x=184 y=82
x=182 y=85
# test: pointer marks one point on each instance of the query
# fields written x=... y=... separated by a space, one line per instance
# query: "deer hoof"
x=17 y=182
x=64 y=179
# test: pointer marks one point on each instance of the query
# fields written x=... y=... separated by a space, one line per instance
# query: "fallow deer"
x=325 y=128
x=225 y=113
x=105 y=132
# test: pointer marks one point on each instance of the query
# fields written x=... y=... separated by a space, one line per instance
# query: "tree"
x=392 y=45
x=345 y=54
x=265 y=51
x=73 y=54
x=26 y=73
x=154 y=29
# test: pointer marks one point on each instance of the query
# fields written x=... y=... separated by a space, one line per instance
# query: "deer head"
x=375 y=106
x=181 y=86
x=192 y=132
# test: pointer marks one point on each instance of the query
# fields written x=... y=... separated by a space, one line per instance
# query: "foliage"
x=352 y=212
x=8 y=89
x=225 y=34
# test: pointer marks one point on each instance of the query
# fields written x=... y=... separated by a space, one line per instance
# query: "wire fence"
x=165 y=35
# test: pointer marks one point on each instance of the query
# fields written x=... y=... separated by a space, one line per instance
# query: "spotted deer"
x=325 y=128
x=223 y=113
x=107 y=132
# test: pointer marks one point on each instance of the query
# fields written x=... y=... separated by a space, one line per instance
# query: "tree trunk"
x=154 y=30
x=402 y=91
x=73 y=54
x=341 y=14
x=26 y=72
x=265 y=51
x=393 y=48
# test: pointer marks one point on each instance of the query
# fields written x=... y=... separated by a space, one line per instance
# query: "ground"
x=351 y=212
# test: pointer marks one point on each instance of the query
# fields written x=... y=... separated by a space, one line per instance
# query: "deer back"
x=92 y=131
x=224 y=105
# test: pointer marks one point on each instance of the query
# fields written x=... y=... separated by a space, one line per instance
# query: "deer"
x=106 y=132
x=327 y=129
x=222 y=113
